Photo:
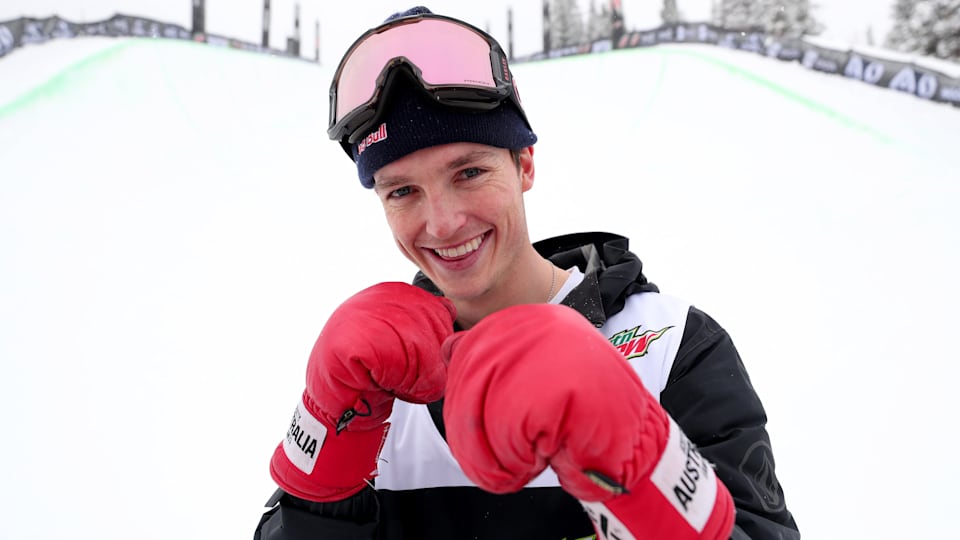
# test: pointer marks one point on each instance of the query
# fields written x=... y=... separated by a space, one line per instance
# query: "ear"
x=527 y=170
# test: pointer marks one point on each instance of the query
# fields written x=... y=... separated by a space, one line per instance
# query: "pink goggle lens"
x=446 y=53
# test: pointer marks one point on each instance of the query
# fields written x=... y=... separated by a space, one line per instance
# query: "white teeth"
x=460 y=250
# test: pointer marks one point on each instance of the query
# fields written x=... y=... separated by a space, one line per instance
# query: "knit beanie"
x=412 y=120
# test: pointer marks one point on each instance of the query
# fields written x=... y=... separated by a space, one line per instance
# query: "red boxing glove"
x=382 y=343
x=537 y=385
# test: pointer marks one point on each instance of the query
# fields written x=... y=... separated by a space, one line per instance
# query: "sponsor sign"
x=8 y=37
x=923 y=82
x=29 y=31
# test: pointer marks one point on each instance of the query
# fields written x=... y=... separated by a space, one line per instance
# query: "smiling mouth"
x=460 y=251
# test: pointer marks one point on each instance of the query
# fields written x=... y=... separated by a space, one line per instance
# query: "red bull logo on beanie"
x=373 y=138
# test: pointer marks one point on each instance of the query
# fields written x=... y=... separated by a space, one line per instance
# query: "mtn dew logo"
x=634 y=344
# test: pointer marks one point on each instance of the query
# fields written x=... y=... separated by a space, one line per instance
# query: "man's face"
x=456 y=211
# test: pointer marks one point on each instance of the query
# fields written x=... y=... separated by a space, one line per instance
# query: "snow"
x=28 y=71
x=175 y=228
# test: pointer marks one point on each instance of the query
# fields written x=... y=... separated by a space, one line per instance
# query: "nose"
x=444 y=215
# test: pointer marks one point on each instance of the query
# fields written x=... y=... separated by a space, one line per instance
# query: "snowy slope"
x=175 y=228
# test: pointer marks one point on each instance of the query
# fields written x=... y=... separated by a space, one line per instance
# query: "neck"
x=533 y=280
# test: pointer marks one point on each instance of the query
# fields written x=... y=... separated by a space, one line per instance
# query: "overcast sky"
x=845 y=20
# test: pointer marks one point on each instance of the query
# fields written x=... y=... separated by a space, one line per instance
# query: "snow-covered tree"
x=900 y=32
x=781 y=18
x=566 y=24
x=791 y=19
x=598 y=23
x=741 y=13
x=946 y=30
x=669 y=13
x=927 y=27
x=715 y=14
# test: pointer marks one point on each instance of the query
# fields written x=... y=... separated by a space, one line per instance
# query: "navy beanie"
x=412 y=120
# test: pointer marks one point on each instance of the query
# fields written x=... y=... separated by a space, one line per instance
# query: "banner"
x=909 y=76
x=10 y=33
x=949 y=90
x=29 y=31
x=825 y=60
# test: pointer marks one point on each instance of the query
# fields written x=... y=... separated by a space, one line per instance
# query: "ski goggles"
x=456 y=63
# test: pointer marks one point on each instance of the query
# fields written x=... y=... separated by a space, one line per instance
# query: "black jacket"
x=708 y=393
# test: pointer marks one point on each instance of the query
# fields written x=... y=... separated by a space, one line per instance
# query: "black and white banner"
x=29 y=31
x=922 y=81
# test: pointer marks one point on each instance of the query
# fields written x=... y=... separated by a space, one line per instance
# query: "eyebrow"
x=469 y=158
x=386 y=184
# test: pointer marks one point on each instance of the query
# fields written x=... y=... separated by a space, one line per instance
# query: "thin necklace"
x=553 y=281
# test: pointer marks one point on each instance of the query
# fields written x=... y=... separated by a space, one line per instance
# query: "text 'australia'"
x=695 y=470
x=299 y=437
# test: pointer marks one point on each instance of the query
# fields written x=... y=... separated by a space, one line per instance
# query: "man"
x=515 y=390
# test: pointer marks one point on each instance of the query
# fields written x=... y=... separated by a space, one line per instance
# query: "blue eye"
x=400 y=192
x=472 y=172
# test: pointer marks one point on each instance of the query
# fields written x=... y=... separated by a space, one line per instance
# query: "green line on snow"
x=62 y=79
x=784 y=91
x=733 y=69
x=788 y=93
